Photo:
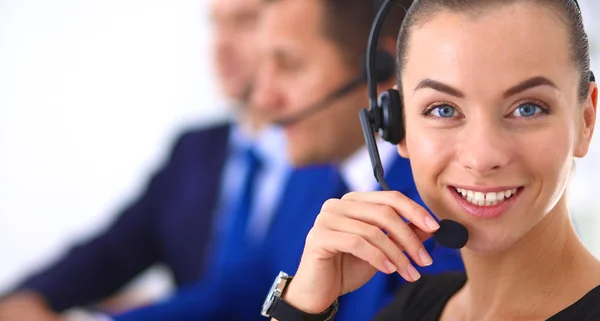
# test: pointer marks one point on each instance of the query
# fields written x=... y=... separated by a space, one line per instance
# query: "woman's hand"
x=347 y=246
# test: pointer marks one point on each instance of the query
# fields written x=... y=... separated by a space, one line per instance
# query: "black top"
x=425 y=299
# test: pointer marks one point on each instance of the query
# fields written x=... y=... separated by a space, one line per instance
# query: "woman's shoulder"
x=586 y=308
x=423 y=300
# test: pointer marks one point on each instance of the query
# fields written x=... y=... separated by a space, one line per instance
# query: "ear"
x=589 y=122
x=402 y=150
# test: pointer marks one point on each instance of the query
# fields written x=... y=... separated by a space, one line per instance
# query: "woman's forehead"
x=504 y=45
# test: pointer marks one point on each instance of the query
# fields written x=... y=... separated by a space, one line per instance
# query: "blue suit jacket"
x=239 y=296
x=170 y=223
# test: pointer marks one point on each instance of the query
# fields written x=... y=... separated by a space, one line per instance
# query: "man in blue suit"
x=305 y=60
x=314 y=51
x=176 y=218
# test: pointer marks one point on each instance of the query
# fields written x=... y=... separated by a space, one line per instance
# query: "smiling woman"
x=498 y=102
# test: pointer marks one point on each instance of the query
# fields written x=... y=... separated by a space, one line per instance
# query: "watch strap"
x=282 y=311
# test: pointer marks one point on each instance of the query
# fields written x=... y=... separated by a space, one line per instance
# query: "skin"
x=300 y=67
x=234 y=45
x=236 y=57
x=516 y=261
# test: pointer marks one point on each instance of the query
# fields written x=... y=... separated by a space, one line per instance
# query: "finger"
x=404 y=206
x=340 y=242
x=422 y=235
x=386 y=218
x=373 y=235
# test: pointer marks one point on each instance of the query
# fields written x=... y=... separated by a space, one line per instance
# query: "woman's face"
x=493 y=119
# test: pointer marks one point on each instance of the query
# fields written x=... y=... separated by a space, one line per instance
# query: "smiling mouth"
x=486 y=198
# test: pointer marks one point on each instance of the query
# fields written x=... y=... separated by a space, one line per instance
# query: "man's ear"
x=588 y=122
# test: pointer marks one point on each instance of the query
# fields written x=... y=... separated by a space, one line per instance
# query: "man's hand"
x=26 y=306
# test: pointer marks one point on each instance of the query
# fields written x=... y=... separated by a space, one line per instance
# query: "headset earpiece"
x=391 y=127
x=592 y=77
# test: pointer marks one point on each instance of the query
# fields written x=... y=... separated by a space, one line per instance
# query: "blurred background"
x=91 y=95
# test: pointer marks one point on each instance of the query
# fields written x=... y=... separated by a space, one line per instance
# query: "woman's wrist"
x=304 y=300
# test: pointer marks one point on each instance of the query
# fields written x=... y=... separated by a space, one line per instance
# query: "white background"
x=91 y=95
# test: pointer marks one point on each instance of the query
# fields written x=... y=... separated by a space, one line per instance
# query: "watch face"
x=275 y=292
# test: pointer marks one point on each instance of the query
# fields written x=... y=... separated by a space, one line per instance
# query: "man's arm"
x=99 y=267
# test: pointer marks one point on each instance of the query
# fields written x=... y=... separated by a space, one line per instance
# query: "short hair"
x=347 y=24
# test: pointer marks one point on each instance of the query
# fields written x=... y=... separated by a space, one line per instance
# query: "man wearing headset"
x=311 y=82
x=308 y=82
x=172 y=221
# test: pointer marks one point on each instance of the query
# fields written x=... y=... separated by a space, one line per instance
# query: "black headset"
x=385 y=115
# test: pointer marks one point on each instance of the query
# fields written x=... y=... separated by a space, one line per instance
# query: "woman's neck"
x=549 y=268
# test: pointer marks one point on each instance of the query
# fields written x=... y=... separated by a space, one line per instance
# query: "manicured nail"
x=414 y=274
x=424 y=257
x=389 y=266
x=431 y=223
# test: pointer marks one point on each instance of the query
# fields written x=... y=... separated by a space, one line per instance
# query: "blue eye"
x=443 y=111
x=527 y=110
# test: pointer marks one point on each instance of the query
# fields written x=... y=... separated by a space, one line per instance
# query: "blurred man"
x=184 y=216
x=313 y=50
x=310 y=50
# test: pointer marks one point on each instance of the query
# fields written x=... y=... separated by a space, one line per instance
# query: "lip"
x=486 y=189
x=485 y=211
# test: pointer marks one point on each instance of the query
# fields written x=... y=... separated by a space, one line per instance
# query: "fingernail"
x=431 y=223
x=424 y=257
x=414 y=274
x=389 y=266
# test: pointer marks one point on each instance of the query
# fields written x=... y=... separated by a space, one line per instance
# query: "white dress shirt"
x=357 y=170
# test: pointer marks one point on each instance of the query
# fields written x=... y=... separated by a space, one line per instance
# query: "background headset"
x=383 y=68
x=386 y=117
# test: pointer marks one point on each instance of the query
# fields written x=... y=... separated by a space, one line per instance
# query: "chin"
x=487 y=243
x=491 y=237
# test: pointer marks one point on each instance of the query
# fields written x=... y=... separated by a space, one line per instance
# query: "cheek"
x=548 y=157
x=430 y=153
x=429 y=150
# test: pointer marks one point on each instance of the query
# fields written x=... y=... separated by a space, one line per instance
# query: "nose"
x=266 y=96
x=483 y=147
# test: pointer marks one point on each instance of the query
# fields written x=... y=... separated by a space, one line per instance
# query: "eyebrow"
x=436 y=85
x=522 y=86
x=528 y=84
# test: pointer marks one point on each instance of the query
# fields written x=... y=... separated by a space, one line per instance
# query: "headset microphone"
x=385 y=116
x=384 y=68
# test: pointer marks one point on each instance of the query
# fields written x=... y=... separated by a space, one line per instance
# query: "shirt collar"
x=269 y=143
x=357 y=170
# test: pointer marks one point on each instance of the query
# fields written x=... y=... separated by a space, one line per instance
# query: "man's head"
x=235 y=50
x=311 y=48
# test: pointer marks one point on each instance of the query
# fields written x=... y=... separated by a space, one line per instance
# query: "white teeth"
x=479 y=196
x=500 y=196
x=486 y=199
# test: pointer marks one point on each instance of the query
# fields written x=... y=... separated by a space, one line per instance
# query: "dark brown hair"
x=567 y=10
x=347 y=23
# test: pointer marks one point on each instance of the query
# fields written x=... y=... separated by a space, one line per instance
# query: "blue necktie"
x=242 y=210
x=233 y=245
